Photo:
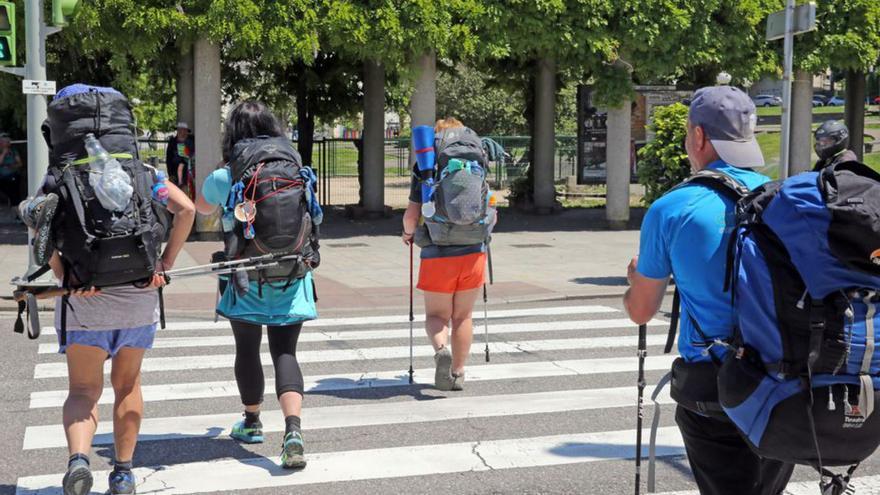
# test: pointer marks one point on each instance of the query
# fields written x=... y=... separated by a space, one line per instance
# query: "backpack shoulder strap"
x=720 y=182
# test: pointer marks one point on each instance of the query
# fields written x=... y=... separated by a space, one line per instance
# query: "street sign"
x=30 y=87
x=804 y=21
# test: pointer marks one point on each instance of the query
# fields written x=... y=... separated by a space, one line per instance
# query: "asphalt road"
x=552 y=412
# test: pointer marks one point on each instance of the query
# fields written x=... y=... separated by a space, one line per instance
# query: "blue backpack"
x=801 y=376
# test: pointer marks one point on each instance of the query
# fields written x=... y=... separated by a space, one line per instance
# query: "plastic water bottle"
x=160 y=190
x=111 y=184
x=428 y=209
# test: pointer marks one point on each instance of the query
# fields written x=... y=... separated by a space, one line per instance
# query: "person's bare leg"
x=85 y=369
x=438 y=311
x=128 y=408
x=462 y=327
x=291 y=404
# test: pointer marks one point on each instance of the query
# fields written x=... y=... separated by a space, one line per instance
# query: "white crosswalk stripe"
x=394 y=462
x=203 y=362
x=571 y=369
x=352 y=335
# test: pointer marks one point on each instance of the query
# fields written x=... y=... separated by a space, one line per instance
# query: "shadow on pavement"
x=337 y=226
x=604 y=281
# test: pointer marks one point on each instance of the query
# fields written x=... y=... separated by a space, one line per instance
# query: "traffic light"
x=61 y=10
x=7 y=34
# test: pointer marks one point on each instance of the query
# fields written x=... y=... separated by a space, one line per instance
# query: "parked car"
x=836 y=101
x=767 y=101
x=818 y=101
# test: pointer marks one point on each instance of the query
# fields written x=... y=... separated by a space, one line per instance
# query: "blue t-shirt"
x=278 y=306
x=686 y=233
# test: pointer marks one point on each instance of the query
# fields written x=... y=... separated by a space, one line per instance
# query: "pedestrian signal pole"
x=795 y=19
x=36 y=88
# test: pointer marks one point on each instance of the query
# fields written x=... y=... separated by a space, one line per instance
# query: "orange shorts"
x=452 y=274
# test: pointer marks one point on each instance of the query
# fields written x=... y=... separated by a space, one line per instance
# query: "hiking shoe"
x=458 y=381
x=293 y=451
x=247 y=434
x=121 y=483
x=77 y=480
x=37 y=213
x=443 y=373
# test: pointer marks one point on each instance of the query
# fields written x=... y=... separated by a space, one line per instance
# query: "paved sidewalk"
x=365 y=265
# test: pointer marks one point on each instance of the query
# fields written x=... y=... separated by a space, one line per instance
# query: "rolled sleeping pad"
x=423 y=145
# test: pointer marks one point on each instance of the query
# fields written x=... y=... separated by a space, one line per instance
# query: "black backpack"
x=101 y=248
x=268 y=174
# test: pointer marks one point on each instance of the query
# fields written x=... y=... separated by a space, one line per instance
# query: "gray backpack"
x=461 y=194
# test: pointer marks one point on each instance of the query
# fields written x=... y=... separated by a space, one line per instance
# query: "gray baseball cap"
x=728 y=117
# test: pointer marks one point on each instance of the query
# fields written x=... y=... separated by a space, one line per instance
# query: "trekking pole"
x=486 y=301
x=411 y=315
x=642 y=353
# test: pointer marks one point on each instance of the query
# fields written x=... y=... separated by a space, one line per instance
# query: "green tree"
x=466 y=93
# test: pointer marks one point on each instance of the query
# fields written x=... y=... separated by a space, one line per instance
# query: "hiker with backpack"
x=686 y=234
x=110 y=258
x=269 y=206
x=453 y=239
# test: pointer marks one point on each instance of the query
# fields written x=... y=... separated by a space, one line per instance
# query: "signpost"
x=785 y=24
x=45 y=88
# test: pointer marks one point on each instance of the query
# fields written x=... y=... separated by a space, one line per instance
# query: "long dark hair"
x=249 y=119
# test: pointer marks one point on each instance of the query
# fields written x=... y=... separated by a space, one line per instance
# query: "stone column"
x=545 y=136
x=801 y=142
x=185 y=85
x=855 y=110
x=208 y=121
x=423 y=103
x=617 y=164
x=374 y=137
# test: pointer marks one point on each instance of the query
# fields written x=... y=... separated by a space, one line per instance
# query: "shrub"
x=663 y=162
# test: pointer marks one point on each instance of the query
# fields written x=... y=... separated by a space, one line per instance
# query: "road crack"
x=476 y=452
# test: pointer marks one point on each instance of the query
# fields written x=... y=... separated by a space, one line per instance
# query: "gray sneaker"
x=443 y=374
x=78 y=480
x=458 y=381
x=37 y=213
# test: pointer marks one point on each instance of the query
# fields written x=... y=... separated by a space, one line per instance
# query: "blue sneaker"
x=77 y=480
x=247 y=434
x=121 y=483
x=293 y=451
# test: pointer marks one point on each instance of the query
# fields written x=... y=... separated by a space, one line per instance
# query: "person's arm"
x=644 y=296
x=649 y=272
x=204 y=207
x=411 y=221
x=184 y=215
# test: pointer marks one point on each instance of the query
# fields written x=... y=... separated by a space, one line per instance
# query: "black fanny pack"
x=694 y=386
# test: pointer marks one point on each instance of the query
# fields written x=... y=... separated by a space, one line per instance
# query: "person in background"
x=450 y=278
x=832 y=145
x=179 y=155
x=10 y=172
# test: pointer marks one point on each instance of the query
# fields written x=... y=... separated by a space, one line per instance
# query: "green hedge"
x=663 y=161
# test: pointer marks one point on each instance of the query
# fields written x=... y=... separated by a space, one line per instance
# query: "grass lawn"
x=769 y=142
x=769 y=111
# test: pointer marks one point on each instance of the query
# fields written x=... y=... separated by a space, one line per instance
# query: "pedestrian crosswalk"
x=558 y=394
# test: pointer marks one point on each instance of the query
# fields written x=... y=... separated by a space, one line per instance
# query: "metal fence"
x=336 y=163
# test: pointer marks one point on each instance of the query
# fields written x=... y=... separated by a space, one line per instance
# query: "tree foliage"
x=663 y=162
x=847 y=36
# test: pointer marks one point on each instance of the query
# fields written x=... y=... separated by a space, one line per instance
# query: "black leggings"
x=249 y=368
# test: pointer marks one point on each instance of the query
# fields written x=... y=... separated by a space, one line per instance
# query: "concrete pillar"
x=617 y=165
x=185 y=85
x=854 y=115
x=374 y=137
x=544 y=138
x=208 y=120
x=423 y=102
x=801 y=142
